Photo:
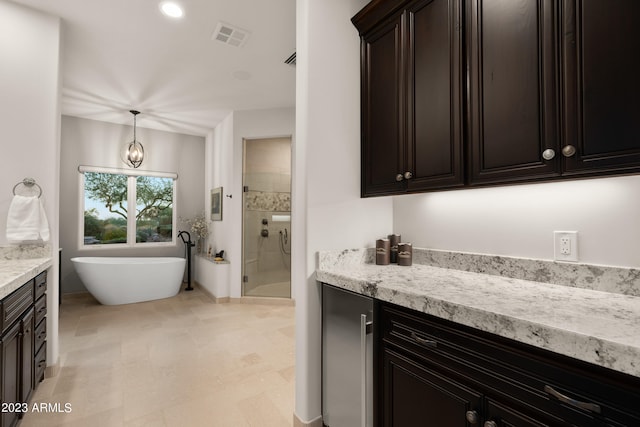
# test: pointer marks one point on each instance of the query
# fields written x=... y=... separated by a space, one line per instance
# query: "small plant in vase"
x=199 y=229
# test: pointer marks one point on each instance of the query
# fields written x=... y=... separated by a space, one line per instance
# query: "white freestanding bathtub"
x=125 y=280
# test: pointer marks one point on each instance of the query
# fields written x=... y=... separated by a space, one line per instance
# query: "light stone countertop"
x=591 y=325
x=16 y=272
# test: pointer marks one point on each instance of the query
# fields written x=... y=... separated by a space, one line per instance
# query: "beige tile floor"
x=182 y=361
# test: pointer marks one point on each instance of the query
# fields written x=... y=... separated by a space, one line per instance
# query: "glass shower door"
x=267 y=218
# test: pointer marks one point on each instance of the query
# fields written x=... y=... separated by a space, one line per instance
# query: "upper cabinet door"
x=382 y=110
x=601 y=87
x=513 y=95
x=434 y=96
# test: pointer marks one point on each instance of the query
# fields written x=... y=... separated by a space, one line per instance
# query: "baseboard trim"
x=297 y=422
x=264 y=301
x=52 y=371
x=245 y=300
x=207 y=292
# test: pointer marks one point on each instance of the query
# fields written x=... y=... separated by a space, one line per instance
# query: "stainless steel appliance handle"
x=365 y=327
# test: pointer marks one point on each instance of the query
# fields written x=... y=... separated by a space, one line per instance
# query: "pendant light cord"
x=135 y=158
x=135 y=114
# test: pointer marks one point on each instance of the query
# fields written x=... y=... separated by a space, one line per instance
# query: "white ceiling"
x=119 y=55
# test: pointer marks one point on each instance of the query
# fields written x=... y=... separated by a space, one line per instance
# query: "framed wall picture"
x=216 y=204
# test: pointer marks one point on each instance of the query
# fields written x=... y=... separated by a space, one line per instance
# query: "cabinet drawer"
x=40 y=284
x=16 y=303
x=524 y=377
x=39 y=365
x=40 y=336
x=41 y=309
x=423 y=336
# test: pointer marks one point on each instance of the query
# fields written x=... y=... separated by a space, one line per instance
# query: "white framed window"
x=123 y=208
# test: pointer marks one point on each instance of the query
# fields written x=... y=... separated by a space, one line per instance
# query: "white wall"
x=520 y=220
x=95 y=143
x=224 y=154
x=327 y=209
x=30 y=126
x=219 y=173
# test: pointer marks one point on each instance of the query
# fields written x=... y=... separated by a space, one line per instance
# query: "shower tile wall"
x=267 y=201
x=267 y=176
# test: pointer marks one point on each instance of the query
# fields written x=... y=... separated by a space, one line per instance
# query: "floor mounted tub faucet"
x=187 y=247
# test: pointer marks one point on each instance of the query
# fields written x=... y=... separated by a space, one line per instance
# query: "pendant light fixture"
x=135 y=150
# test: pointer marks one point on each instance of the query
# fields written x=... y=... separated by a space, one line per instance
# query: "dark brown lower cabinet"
x=22 y=348
x=415 y=395
x=432 y=372
x=11 y=373
x=408 y=385
x=505 y=415
x=17 y=368
x=27 y=327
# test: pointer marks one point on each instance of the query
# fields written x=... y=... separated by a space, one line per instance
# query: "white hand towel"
x=27 y=220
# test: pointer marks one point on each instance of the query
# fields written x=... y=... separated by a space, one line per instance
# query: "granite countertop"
x=591 y=325
x=16 y=272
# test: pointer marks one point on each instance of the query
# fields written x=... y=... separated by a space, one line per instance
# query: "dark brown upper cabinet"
x=601 y=45
x=411 y=96
x=383 y=148
x=487 y=92
x=513 y=98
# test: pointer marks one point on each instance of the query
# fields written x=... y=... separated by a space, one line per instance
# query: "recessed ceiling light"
x=171 y=9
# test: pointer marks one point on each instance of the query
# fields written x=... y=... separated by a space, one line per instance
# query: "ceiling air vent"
x=230 y=34
x=291 y=60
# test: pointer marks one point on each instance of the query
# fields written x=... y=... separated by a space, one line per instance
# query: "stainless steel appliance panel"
x=347 y=358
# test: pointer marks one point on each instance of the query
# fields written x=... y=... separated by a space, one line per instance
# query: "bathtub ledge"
x=211 y=260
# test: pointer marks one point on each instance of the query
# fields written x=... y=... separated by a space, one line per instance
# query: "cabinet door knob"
x=548 y=154
x=399 y=177
x=490 y=424
x=472 y=417
x=568 y=150
x=408 y=175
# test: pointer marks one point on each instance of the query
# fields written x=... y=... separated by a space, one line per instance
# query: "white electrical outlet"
x=565 y=244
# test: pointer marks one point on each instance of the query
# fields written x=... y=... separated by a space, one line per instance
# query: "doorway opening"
x=266 y=217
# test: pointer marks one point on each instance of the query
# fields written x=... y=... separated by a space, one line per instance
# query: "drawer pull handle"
x=422 y=341
x=572 y=402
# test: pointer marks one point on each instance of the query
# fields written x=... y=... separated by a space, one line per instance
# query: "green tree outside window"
x=106 y=214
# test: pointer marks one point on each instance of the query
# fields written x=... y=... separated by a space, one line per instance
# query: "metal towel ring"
x=28 y=182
